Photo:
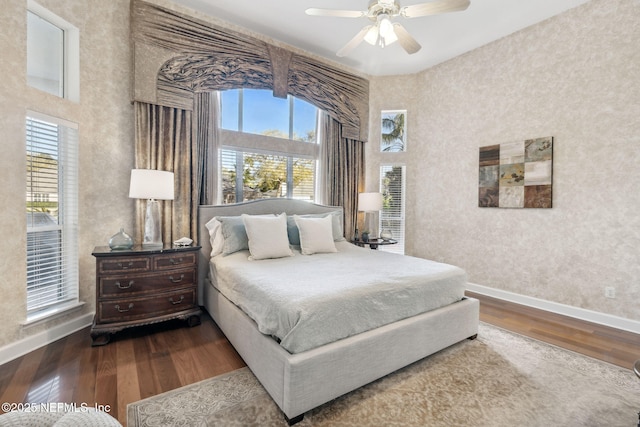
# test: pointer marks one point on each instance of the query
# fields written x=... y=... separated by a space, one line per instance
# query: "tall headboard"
x=254 y=207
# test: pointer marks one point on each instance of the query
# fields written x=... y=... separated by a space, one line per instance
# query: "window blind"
x=52 y=214
x=392 y=187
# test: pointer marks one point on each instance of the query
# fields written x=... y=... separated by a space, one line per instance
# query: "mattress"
x=306 y=301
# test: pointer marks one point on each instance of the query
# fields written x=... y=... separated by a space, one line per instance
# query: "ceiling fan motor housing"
x=383 y=7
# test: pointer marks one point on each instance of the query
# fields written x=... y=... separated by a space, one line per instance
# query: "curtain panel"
x=163 y=141
x=342 y=173
x=207 y=133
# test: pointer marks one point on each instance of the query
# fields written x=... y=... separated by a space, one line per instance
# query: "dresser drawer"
x=123 y=265
x=172 y=261
x=127 y=309
x=139 y=284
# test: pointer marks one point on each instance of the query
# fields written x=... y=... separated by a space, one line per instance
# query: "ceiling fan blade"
x=354 y=42
x=434 y=8
x=405 y=39
x=337 y=13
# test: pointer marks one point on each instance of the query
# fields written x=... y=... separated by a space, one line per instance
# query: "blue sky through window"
x=262 y=112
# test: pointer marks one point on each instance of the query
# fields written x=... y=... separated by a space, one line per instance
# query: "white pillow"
x=267 y=236
x=316 y=235
x=215 y=236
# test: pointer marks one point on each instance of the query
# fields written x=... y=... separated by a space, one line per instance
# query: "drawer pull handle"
x=176 y=280
x=175 y=261
x=176 y=302
x=124 y=267
x=127 y=286
x=122 y=310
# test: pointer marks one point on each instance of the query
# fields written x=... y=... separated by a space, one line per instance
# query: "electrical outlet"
x=610 y=292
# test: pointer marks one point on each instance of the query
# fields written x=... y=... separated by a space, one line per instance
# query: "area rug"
x=500 y=379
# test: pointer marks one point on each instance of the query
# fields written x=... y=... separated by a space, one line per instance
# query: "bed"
x=343 y=354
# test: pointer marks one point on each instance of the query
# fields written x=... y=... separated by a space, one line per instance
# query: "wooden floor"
x=601 y=342
x=146 y=361
x=136 y=364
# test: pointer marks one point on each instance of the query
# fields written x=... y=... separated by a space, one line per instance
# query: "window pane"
x=45 y=55
x=264 y=114
x=304 y=121
x=392 y=186
x=393 y=131
x=229 y=108
x=303 y=179
x=228 y=176
x=42 y=173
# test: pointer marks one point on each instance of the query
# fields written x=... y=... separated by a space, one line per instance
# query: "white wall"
x=105 y=118
x=574 y=77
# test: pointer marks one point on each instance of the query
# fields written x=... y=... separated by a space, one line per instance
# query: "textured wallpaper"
x=105 y=120
x=574 y=77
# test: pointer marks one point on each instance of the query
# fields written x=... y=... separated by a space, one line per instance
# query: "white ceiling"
x=442 y=37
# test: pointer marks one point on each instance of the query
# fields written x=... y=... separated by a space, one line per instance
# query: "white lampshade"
x=151 y=184
x=369 y=202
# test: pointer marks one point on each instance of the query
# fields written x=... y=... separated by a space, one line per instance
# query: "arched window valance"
x=200 y=57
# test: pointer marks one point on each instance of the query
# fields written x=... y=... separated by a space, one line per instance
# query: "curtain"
x=163 y=141
x=206 y=130
x=343 y=171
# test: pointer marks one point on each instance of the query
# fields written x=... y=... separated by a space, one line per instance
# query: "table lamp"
x=152 y=185
x=370 y=203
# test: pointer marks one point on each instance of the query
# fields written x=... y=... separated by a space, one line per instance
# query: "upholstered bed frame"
x=300 y=382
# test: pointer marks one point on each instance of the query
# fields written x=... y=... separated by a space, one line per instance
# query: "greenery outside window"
x=251 y=176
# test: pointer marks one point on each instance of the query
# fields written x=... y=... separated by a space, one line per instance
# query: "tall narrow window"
x=392 y=187
x=52 y=215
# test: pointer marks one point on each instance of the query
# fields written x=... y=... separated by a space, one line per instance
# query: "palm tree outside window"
x=394 y=134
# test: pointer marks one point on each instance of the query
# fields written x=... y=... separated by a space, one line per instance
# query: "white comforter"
x=306 y=301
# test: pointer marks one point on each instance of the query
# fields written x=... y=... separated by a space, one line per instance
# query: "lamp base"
x=371 y=223
x=152 y=226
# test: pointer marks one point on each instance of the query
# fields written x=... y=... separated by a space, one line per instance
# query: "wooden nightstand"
x=138 y=287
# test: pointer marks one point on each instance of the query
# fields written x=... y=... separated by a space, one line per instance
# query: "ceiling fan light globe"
x=372 y=35
x=390 y=37
x=386 y=27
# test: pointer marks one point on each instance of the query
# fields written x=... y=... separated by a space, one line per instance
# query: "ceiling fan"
x=384 y=32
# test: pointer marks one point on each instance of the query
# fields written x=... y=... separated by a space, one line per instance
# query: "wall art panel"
x=516 y=174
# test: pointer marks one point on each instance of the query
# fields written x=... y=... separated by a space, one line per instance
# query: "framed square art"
x=516 y=174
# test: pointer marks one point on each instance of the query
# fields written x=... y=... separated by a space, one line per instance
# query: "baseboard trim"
x=563 y=309
x=21 y=347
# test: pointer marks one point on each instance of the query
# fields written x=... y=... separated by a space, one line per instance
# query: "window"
x=251 y=176
x=269 y=146
x=394 y=131
x=392 y=187
x=52 y=215
x=258 y=112
x=53 y=49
